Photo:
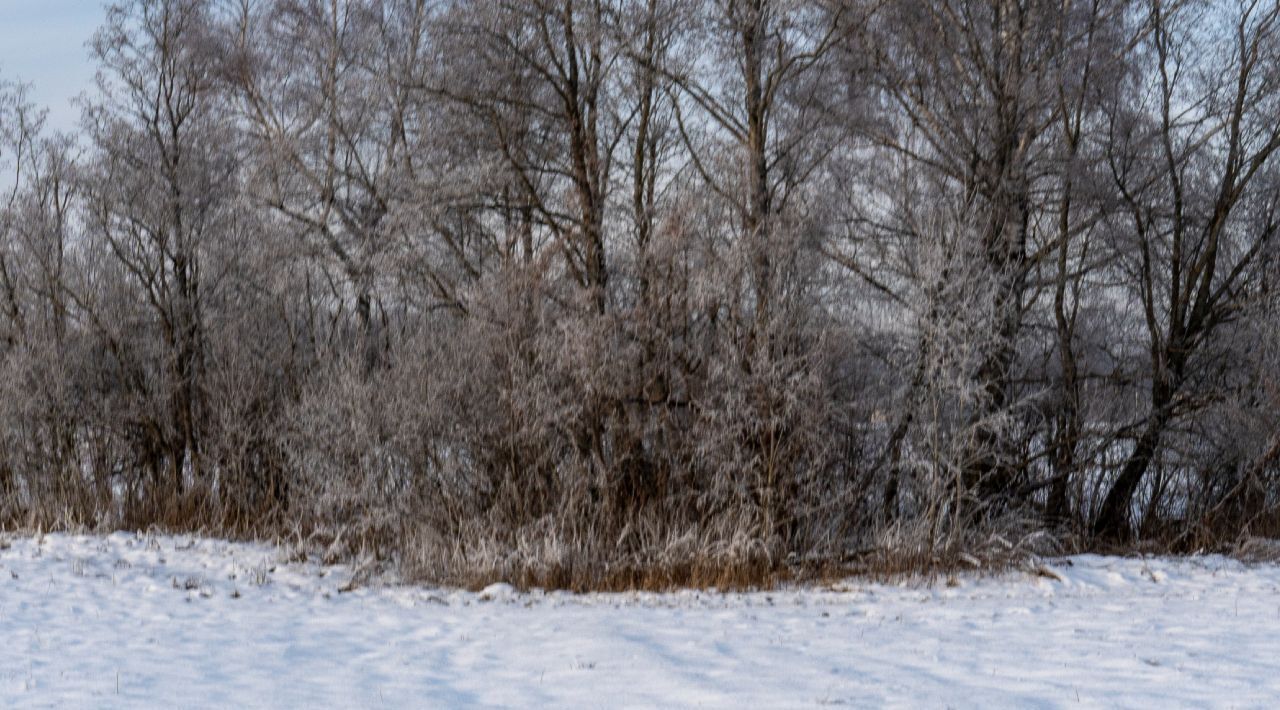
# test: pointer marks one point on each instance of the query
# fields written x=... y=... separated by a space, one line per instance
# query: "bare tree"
x=327 y=90
x=624 y=293
x=158 y=197
x=551 y=107
x=1193 y=162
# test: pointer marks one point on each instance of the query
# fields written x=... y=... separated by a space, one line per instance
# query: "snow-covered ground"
x=129 y=621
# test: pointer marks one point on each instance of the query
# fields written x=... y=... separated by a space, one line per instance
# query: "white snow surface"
x=143 y=621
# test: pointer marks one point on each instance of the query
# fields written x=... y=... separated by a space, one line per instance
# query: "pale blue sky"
x=42 y=42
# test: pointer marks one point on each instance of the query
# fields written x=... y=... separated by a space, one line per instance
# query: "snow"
x=138 y=621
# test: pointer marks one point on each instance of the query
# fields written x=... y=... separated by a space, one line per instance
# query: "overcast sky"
x=42 y=42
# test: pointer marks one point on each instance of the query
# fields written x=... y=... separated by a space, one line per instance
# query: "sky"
x=43 y=43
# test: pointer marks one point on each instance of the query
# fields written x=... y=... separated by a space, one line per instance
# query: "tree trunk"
x=1113 y=520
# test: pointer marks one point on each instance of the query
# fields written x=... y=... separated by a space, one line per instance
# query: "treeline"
x=637 y=292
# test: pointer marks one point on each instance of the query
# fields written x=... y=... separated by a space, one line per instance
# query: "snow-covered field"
x=129 y=621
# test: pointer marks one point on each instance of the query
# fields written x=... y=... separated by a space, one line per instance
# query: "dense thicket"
x=636 y=292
